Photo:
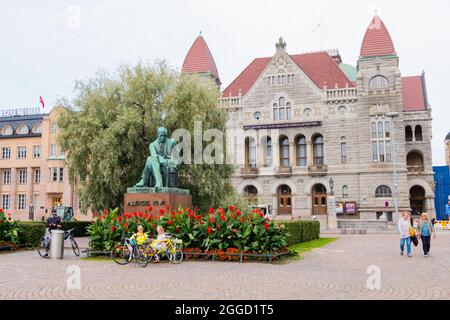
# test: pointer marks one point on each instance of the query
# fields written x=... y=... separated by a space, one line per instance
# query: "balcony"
x=318 y=170
x=283 y=171
x=249 y=172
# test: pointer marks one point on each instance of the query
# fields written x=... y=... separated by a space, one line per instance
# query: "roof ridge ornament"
x=280 y=45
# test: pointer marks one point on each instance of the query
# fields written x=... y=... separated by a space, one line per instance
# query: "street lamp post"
x=394 y=115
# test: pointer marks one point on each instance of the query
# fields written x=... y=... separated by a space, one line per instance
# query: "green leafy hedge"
x=31 y=231
x=302 y=231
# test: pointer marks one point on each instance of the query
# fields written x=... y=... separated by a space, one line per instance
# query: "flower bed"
x=9 y=229
x=216 y=231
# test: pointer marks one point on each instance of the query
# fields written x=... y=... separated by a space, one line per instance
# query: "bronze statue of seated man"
x=159 y=161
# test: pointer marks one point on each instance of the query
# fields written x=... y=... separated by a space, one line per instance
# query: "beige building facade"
x=33 y=175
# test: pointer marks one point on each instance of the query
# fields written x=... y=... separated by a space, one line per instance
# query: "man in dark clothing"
x=53 y=222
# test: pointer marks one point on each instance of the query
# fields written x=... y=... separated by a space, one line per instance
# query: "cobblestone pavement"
x=337 y=271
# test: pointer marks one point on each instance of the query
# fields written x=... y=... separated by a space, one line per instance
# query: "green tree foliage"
x=107 y=129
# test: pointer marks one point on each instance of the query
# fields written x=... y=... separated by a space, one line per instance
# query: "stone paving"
x=337 y=271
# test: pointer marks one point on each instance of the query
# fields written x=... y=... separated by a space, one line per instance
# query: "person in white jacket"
x=404 y=224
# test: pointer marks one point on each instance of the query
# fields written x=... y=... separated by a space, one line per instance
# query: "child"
x=140 y=237
x=159 y=244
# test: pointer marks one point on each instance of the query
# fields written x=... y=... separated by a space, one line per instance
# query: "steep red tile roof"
x=377 y=41
x=320 y=67
x=414 y=95
x=199 y=59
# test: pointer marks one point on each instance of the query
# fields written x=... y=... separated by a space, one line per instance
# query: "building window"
x=381 y=141
x=22 y=202
x=5 y=202
x=301 y=152
x=284 y=152
x=7 y=131
x=378 y=82
x=275 y=111
x=61 y=172
x=418 y=133
x=53 y=174
x=7 y=176
x=36 y=201
x=408 y=133
x=37 y=129
x=36 y=152
x=318 y=150
x=23 y=129
x=21 y=152
x=6 y=153
x=268 y=152
x=53 y=127
x=383 y=192
x=250 y=152
x=53 y=150
x=345 y=192
x=288 y=111
x=37 y=176
x=343 y=152
x=282 y=110
x=22 y=176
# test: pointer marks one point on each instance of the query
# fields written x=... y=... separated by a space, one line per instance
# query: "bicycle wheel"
x=43 y=248
x=75 y=247
x=175 y=256
x=148 y=252
x=121 y=255
x=141 y=256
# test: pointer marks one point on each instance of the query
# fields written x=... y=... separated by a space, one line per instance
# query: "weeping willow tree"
x=114 y=116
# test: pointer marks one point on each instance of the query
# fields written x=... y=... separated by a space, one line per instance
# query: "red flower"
x=105 y=211
x=1 y=209
x=1 y=221
x=202 y=222
x=242 y=220
x=167 y=207
x=211 y=211
x=195 y=209
x=232 y=208
x=210 y=230
x=238 y=212
x=261 y=215
x=198 y=217
x=161 y=210
x=223 y=218
x=218 y=227
x=212 y=220
x=113 y=228
x=173 y=213
x=266 y=226
x=150 y=209
x=126 y=225
x=191 y=214
x=169 y=222
x=220 y=211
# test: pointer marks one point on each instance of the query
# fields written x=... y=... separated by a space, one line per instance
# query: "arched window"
x=383 y=192
x=275 y=111
x=7 y=130
x=268 y=153
x=408 y=133
x=380 y=130
x=288 y=111
x=387 y=129
x=22 y=129
x=414 y=162
x=301 y=152
x=37 y=128
x=284 y=152
x=378 y=82
x=418 y=133
x=281 y=102
x=344 y=192
x=318 y=150
x=250 y=152
x=251 y=194
x=374 y=130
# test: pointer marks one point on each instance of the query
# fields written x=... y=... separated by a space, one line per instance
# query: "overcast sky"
x=43 y=49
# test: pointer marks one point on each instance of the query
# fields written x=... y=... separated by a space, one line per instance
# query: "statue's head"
x=162 y=134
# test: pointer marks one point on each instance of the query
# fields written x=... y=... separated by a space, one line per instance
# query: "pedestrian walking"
x=404 y=226
x=425 y=230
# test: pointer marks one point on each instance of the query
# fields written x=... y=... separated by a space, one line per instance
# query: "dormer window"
x=7 y=131
x=23 y=129
x=378 y=83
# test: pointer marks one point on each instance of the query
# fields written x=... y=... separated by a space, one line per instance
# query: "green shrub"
x=301 y=231
x=31 y=232
x=80 y=227
x=9 y=229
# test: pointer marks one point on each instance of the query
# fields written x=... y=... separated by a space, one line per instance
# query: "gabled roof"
x=199 y=59
x=320 y=67
x=414 y=93
x=377 y=40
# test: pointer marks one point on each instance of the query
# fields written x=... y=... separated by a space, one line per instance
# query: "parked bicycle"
x=171 y=247
x=129 y=250
x=45 y=242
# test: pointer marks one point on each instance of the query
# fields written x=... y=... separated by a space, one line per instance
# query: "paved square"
x=337 y=271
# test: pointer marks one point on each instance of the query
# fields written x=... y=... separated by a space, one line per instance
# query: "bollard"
x=57 y=245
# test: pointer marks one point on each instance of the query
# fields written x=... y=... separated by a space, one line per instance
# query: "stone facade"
x=344 y=118
x=447 y=150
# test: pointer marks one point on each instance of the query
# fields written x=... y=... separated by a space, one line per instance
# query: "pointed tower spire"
x=377 y=40
x=199 y=60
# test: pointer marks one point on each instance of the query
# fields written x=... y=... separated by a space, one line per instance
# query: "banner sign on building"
x=284 y=125
x=350 y=207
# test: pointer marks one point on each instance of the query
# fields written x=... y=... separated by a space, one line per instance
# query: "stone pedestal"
x=332 y=217
x=141 y=199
